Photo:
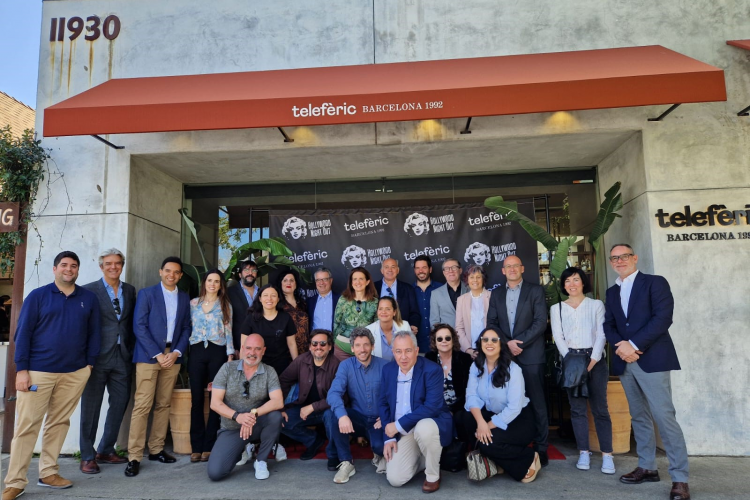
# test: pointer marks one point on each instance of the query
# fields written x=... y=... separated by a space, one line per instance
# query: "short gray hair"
x=621 y=245
x=108 y=252
x=323 y=269
x=404 y=334
x=361 y=331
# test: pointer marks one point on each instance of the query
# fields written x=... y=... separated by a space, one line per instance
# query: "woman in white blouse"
x=578 y=325
x=389 y=322
x=471 y=309
x=498 y=414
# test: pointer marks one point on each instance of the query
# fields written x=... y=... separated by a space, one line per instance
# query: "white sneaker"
x=584 y=460
x=247 y=454
x=280 y=453
x=379 y=463
x=261 y=470
x=346 y=470
x=608 y=464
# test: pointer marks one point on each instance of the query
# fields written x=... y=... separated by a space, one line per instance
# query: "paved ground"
x=711 y=478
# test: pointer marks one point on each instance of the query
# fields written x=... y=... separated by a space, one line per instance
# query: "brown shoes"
x=430 y=487
x=205 y=456
x=639 y=476
x=89 y=467
x=111 y=458
x=680 y=491
x=195 y=458
x=10 y=493
x=55 y=481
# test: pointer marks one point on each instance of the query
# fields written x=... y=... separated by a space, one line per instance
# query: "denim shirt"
x=210 y=327
x=505 y=402
x=361 y=383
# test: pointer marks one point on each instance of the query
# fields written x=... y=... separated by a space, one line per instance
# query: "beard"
x=248 y=281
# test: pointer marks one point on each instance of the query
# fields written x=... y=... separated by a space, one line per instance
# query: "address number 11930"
x=94 y=26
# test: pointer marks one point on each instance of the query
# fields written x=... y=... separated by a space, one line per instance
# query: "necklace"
x=445 y=364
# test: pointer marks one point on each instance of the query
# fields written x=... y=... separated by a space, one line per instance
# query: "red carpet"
x=358 y=452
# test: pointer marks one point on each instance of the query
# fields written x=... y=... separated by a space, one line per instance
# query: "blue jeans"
x=362 y=425
x=297 y=429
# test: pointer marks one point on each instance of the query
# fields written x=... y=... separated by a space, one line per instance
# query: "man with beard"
x=423 y=289
x=241 y=296
x=314 y=372
x=57 y=342
x=247 y=395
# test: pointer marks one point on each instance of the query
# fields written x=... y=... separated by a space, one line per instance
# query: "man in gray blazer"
x=518 y=312
x=113 y=367
x=443 y=299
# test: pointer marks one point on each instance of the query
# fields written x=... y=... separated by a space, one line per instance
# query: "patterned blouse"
x=347 y=318
x=210 y=327
x=302 y=324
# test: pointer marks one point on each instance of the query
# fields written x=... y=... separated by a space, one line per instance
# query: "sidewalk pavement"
x=710 y=478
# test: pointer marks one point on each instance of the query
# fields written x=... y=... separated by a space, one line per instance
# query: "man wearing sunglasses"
x=114 y=366
x=314 y=371
x=247 y=395
x=637 y=319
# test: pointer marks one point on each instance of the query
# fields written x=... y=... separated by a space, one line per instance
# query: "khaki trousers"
x=57 y=396
x=153 y=386
x=419 y=450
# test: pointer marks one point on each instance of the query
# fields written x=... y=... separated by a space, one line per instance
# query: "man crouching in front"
x=247 y=395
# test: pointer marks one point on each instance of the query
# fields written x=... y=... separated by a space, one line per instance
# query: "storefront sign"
x=715 y=215
x=8 y=217
x=344 y=239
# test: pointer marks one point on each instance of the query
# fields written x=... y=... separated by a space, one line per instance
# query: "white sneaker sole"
x=608 y=471
x=583 y=467
x=354 y=471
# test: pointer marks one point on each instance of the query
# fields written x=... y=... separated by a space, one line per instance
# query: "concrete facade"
x=697 y=156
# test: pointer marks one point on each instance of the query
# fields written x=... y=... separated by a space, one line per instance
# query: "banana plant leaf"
x=560 y=260
x=275 y=246
x=194 y=230
x=607 y=215
x=509 y=210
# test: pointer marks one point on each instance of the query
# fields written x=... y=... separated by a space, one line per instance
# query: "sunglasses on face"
x=321 y=343
x=447 y=338
x=487 y=340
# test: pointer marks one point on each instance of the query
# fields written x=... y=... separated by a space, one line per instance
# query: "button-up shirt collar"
x=323 y=315
x=170 y=301
x=249 y=297
x=511 y=303
x=384 y=289
x=112 y=297
x=403 y=396
x=626 y=286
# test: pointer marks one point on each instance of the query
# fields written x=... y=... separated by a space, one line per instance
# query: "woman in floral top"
x=293 y=303
x=357 y=306
x=210 y=347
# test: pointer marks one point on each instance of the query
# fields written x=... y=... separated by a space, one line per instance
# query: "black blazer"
x=531 y=321
x=407 y=301
x=460 y=366
x=240 y=307
x=313 y=301
x=111 y=327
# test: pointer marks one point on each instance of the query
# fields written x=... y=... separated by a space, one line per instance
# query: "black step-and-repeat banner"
x=344 y=239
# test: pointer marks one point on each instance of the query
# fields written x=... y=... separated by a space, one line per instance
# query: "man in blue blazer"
x=325 y=298
x=413 y=413
x=162 y=330
x=638 y=315
x=403 y=292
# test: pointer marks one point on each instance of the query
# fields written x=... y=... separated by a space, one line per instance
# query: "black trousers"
x=203 y=365
x=509 y=448
x=533 y=376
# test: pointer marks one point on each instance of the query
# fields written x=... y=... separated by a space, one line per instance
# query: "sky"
x=20 y=27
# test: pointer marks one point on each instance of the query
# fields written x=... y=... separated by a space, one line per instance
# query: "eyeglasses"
x=399 y=352
x=322 y=280
x=512 y=266
x=250 y=271
x=116 y=303
x=321 y=343
x=246 y=392
x=622 y=258
x=447 y=338
x=487 y=340
x=451 y=268
x=359 y=306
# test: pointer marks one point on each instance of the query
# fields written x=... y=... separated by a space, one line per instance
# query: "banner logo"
x=354 y=256
x=296 y=227
x=325 y=109
x=478 y=254
x=428 y=251
x=417 y=224
x=502 y=251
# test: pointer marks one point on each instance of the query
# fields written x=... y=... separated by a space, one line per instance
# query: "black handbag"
x=453 y=457
x=573 y=371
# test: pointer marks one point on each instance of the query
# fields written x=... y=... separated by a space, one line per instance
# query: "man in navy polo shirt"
x=57 y=342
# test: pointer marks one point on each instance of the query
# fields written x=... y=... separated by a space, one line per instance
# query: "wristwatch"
x=254 y=411
x=234 y=417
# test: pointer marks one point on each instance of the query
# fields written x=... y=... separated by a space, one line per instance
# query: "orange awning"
x=743 y=44
x=456 y=88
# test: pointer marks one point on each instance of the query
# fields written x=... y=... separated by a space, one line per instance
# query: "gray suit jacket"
x=111 y=326
x=441 y=307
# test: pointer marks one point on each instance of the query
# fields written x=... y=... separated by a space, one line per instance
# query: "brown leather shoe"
x=205 y=456
x=11 y=493
x=55 y=481
x=89 y=467
x=680 y=491
x=110 y=458
x=639 y=476
x=195 y=458
x=429 y=487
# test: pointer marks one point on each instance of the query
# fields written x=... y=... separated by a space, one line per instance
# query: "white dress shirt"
x=403 y=397
x=581 y=328
x=626 y=286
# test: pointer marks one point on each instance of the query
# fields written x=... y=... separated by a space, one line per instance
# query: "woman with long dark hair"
x=498 y=414
x=293 y=303
x=356 y=307
x=210 y=347
x=267 y=318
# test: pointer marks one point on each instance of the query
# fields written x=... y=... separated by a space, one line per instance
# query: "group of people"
x=412 y=369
